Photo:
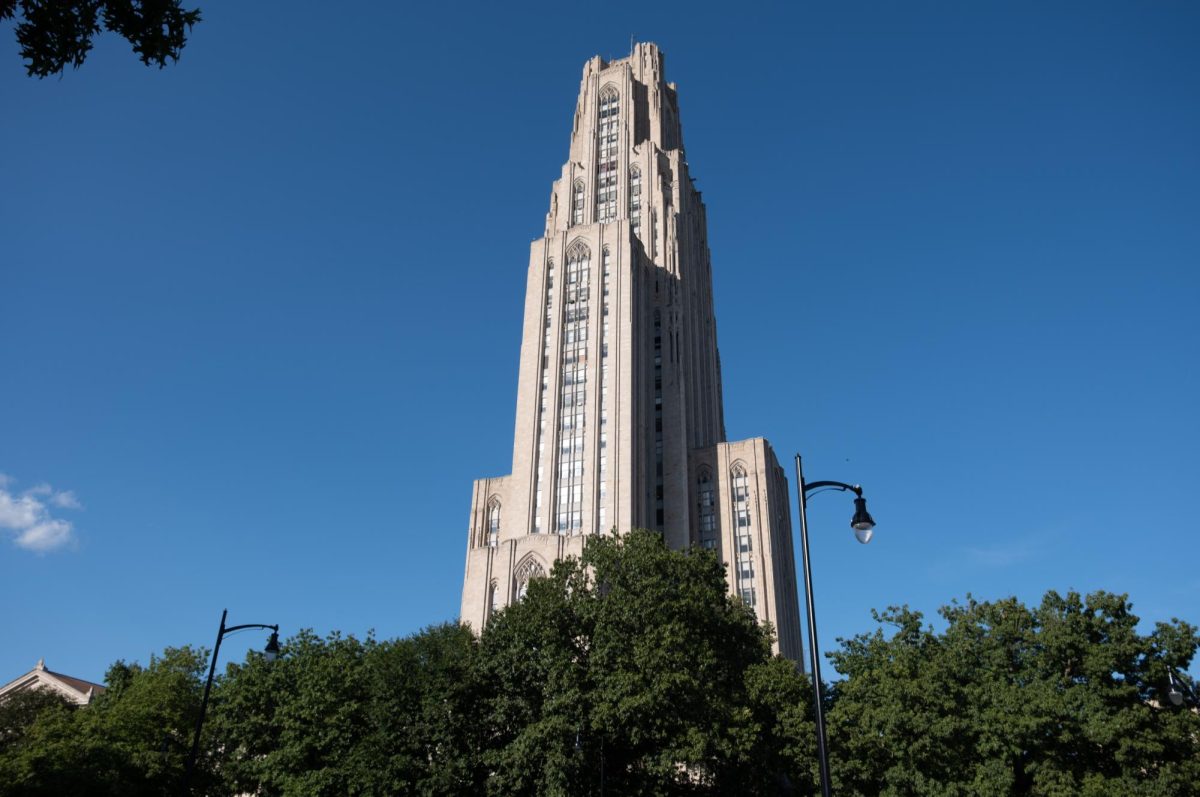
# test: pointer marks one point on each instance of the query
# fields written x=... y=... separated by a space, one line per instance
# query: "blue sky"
x=260 y=311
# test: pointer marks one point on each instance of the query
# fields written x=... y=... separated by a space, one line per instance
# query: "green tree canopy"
x=19 y=711
x=1066 y=698
x=54 y=34
x=634 y=663
x=635 y=667
x=634 y=672
x=339 y=716
x=131 y=740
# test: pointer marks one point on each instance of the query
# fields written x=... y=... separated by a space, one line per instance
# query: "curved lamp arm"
x=863 y=525
x=271 y=651
x=854 y=488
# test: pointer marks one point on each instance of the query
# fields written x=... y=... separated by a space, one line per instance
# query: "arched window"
x=577 y=203
x=526 y=572
x=744 y=542
x=635 y=199
x=493 y=517
x=608 y=101
x=707 y=511
x=606 y=163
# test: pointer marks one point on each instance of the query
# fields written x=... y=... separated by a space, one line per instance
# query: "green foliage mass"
x=633 y=672
x=130 y=741
x=1065 y=698
x=339 y=716
x=53 y=34
x=635 y=668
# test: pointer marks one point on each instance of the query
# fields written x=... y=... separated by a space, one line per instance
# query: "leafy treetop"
x=56 y=33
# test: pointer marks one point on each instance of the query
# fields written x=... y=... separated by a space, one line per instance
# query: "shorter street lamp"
x=270 y=652
x=864 y=528
x=1178 y=690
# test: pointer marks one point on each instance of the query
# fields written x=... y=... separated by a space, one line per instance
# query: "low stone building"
x=76 y=690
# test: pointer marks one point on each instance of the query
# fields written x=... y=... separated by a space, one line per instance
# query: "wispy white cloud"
x=1002 y=554
x=1017 y=550
x=27 y=516
x=65 y=499
x=46 y=536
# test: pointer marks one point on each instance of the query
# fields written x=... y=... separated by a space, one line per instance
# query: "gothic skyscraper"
x=620 y=422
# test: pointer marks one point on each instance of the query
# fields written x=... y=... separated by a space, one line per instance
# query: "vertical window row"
x=707 y=511
x=658 y=423
x=543 y=398
x=573 y=392
x=635 y=199
x=606 y=163
x=606 y=270
x=743 y=541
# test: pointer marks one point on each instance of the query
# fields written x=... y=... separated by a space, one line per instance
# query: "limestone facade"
x=76 y=690
x=619 y=421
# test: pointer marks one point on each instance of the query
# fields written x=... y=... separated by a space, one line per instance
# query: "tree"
x=295 y=725
x=56 y=33
x=1066 y=698
x=129 y=741
x=340 y=716
x=634 y=668
x=425 y=714
x=19 y=711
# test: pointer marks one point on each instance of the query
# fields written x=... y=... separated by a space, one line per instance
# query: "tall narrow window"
x=577 y=203
x=493 y=604
x=743 y=540
x=707 y=513
x=658 y=423
x=606 y=270
x=606 y=163
x=543 y=401
x=635 y=199
x=493 y=537
x=573 y=378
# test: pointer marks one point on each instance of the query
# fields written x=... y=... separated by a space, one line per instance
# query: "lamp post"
x=271 y=651
x=1179 y=690
x=863 y=526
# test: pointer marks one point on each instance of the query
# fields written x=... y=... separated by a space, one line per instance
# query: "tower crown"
x=626 y=128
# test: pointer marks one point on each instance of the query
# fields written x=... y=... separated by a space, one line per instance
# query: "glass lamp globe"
x=862 y=522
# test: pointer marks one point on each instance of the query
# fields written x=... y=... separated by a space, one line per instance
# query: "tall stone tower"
x=620 y=422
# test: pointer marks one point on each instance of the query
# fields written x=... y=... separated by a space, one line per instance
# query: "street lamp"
x=864 y=528
x=270 y=652
x=1178 y=690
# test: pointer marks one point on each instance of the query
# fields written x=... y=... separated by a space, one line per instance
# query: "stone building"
x=619 y=420
x=76 y=690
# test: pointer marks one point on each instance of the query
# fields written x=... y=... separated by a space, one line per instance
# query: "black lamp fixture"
x=862 y=522
x=270 y=653
x=1178 y=691
x=864 y=529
